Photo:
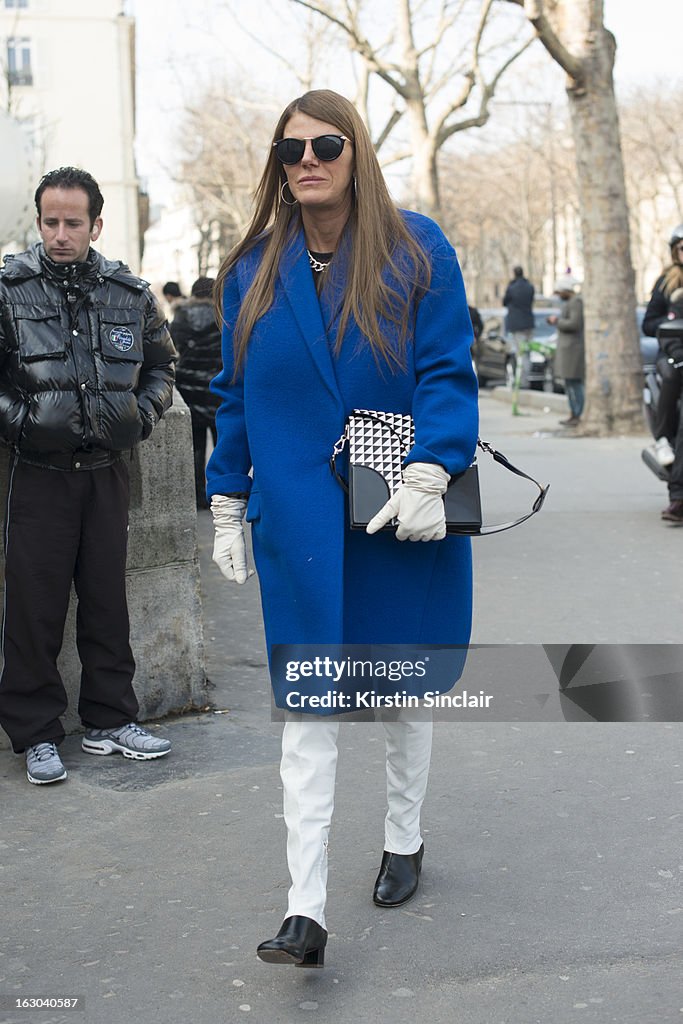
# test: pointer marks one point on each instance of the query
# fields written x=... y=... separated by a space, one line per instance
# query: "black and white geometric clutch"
x=380 y=441
x=378 y=445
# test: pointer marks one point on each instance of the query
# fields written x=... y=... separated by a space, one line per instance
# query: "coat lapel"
x=297 y=280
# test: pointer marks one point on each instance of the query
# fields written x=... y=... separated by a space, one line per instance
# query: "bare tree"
x=653 y=157
x=574 y=34
x=313 y=48
x=221 y=144
x=517 y=199
x=442 y=64
x=510 y=204
x=223 y=138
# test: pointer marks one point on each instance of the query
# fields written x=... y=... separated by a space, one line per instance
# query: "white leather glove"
x=229 y=549
x=417 y=504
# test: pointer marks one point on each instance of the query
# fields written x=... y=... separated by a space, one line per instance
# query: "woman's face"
x=677 y=252
x=318 y=184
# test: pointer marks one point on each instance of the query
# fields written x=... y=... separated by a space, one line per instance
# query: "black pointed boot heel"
x=301 y=941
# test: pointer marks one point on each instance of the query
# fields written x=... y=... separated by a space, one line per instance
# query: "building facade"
x=68 y=77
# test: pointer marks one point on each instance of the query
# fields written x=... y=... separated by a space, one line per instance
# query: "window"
x=16 y=3
x=19 y=61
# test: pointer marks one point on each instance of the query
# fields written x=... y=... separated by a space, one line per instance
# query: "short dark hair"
x=518 y=271
x=73 y=177
x=202 y=288
x=172 y=288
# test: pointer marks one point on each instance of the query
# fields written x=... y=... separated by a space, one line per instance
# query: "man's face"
x=64 y=224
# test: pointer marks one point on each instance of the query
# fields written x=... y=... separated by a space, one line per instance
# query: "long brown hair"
x=380 y=249
x=672 y=277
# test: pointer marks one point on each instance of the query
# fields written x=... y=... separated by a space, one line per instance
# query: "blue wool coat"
x=322 y=583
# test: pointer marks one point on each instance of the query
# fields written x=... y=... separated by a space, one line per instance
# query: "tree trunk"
x=425 y=178
x=574 y=34
x=426 y=182
x=614 y=376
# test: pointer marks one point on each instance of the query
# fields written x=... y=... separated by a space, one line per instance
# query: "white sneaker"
x=43 y=764
x=130 y=740
x=664 y=453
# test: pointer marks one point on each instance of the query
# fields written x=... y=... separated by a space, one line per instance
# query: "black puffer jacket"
x=97 y=381
x=198 y=341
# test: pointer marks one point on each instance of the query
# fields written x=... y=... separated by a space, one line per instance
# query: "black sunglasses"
x=325 y=147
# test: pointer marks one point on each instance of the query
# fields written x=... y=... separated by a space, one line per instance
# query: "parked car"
x=494 y=356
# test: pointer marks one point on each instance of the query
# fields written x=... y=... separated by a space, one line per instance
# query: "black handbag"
x=378 y=444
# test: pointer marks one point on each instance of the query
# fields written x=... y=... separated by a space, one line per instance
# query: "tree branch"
x=552 y=42
x=446 y=21
x=360 y=44
x=443 y=131
x=395 y=158
x=395 y=117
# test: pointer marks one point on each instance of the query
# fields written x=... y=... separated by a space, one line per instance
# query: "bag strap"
x=339 y=447
x=485 y=446
x=505 y=462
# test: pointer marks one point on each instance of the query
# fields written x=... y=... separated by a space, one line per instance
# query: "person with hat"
x=666 y=303
x=569 y=356
x=661 y=307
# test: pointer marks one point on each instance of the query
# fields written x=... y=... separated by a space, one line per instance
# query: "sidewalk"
x=552 y=881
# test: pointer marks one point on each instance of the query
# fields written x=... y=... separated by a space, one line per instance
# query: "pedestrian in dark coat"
x=519 y=320
x=335 y=300
x=569 y=364
x=198 y=341
x=518 y=300
x=661 y=308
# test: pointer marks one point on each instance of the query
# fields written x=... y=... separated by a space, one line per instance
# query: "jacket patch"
x=121 y=338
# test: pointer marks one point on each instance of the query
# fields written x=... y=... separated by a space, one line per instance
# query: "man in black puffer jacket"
x=86 y=372
x=198 y=341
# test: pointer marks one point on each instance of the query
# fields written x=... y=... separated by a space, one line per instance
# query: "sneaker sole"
x=44 y=782
x=104 y=747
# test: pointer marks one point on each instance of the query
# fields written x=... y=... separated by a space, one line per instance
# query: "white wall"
x=80 y=107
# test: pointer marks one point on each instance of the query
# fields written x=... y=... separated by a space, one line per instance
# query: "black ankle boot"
x=398 y=878
x=300 y=941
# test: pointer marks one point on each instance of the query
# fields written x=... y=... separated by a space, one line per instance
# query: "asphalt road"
x=551 y=889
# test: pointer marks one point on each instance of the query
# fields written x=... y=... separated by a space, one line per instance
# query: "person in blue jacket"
x=336 y=300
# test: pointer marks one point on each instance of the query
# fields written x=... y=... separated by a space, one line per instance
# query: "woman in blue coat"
x=336 y=300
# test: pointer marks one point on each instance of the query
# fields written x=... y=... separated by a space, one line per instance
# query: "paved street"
x=552 y=884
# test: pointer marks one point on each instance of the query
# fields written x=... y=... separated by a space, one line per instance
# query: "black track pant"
x=200 y=424
x=64 y=526
x=676 y=471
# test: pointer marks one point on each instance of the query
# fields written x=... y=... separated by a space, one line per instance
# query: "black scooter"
x=670 y=338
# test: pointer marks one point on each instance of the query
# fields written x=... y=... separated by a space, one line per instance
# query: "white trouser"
x=409 y=750
x=308 y=770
